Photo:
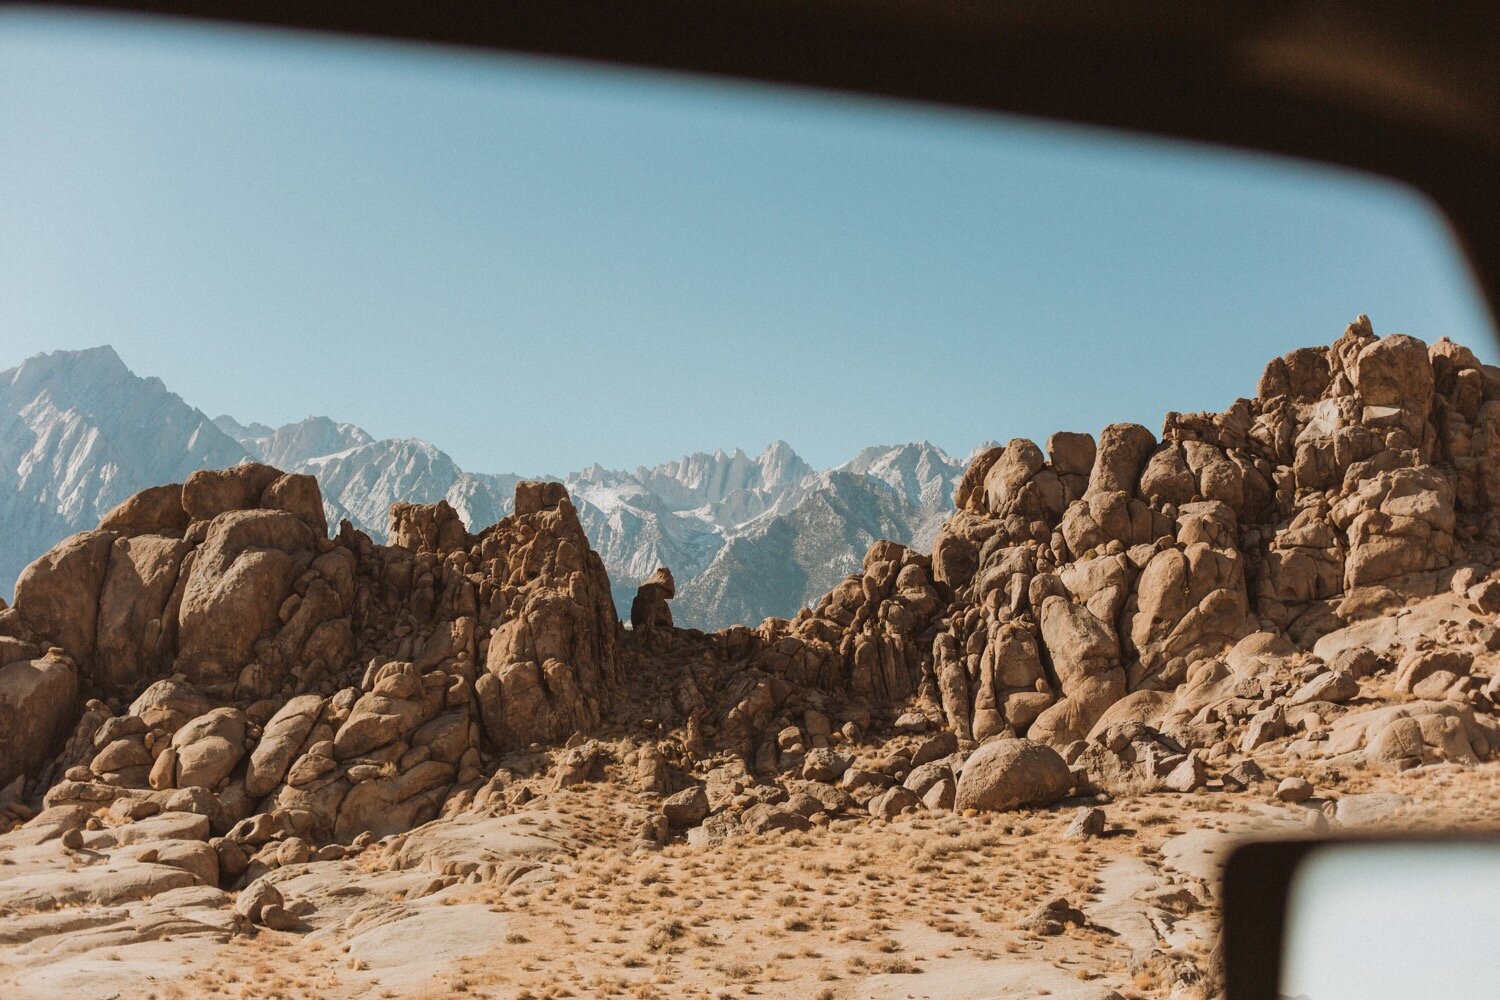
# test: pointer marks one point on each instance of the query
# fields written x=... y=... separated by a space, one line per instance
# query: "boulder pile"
x=1309 y=574
x=210 y=649
x=1126 y=571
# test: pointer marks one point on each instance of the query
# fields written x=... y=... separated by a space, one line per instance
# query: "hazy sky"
x=537 y=266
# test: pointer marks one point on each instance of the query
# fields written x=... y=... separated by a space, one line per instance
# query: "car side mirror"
x=1372 y=919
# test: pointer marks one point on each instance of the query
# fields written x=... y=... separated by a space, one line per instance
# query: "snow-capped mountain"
x=745 y=536
x=789 y=558
x=79 y=432
x=818 y=532
x=294 y=444
x=361 y=477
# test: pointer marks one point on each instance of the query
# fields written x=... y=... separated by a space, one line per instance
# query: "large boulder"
x=239 y=579
x=298 y=495
x=1120 y=458
x=394 y=804
x=1394 y=371
x=38 y=702
x=154 y=511
x=1009 y=774
x=280 y=744
x=170 y=704
x=137 y=623
x=427 y=527
x=1020 y=485
x=211 y=492
x=58 y=594
x=1398 y=522
x=1302 y=374
x=1085 y=655
x=209 y=747
x=649 y=611
x=1189 y=603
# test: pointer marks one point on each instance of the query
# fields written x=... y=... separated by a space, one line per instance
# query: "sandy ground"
x=926 y=906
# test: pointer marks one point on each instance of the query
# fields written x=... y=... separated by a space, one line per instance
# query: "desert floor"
x=570 y=905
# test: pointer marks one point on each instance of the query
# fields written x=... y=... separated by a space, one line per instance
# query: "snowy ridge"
x=746 y=536
x=79 y=432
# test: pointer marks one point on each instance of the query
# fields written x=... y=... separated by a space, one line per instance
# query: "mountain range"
x=746 y=536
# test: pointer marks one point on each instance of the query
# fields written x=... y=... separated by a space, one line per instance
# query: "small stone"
x=935 y=747
x=825 y=764
x=686 y=808
x=1486 y=596
x=893 y=802
x=293 y=851
x=1242 y=776
x=254 y=899
x=912 y=722
x=1337 y=686
x=278 y=918
x=128 y=809
x=1266 y=726
x=1052 y=918
x=1188 y=775
x=655 y=828
x=855 y=779
x=1294 y=790
x=940 y=795
x=1358 y=661
x=1088 y=823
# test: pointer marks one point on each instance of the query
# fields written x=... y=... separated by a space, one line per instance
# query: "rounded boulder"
x=1008 y=774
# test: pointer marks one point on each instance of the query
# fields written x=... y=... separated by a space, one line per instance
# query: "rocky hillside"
x=1296 y=598
x=79 y=433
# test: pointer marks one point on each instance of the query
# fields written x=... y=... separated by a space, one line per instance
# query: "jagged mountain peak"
x=240 y=431
x=911 y=452
x=91 y=367
x=93 y=417
x=80 y=432
x=292 y=444
x=102 y=357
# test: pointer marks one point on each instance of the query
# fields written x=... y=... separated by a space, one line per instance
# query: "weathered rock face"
x=1074 y=577
x=427 y=527
x=37 y=697
x=233 y=593
x=58 y=595
x=138 y=617
x=216 y=579
x=282 y=740
x=864 y=636
x=550 y=660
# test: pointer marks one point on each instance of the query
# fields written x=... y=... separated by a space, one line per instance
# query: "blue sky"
x=538 y=266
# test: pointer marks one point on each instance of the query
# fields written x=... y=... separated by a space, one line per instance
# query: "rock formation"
x=1310 y=575
x=223 y=604
x=649 y=612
